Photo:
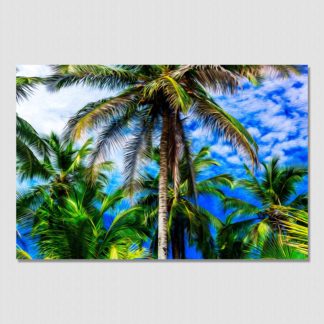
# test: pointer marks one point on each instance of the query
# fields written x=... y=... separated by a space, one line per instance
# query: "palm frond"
x=300 y=202
x=98 y=76
x=293 y=224
x=252 y=184
x=27 y=134
x=21 y=254
x=227 y=127
x=287 y=181
x=136 y=151
x=240 y=207
x=275 y=248
x=25 y=86
x=176 y=95
x=101 y=112
x=215 y=77
x=28 y=165
x=203 y=160
x=112 y=136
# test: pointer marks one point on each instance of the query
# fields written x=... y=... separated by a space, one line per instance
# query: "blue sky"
x=275 y=113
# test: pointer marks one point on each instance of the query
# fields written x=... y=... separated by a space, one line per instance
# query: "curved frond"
x=27 y=134
x=98 y=76
x=240 y=207
x=136 y=150
x=112 y=136
x=101 y=112
x=25 y=86
x=226 y=126
x=21 y=254
x=28 y=165
x=300 y=202
x=275 y=248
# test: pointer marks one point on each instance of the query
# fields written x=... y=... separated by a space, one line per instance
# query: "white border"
x=170 y=31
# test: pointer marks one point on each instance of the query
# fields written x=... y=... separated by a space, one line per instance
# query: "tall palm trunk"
x=163 y=188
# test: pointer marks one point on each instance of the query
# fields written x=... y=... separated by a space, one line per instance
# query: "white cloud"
x=221 y=149
x=201 y=133
x=48 y=111
x=253 y=107
x=292 y=144
x=33 y=70
x=254 y=132
x=270 y=137
x=234 y=159
x=279 y=123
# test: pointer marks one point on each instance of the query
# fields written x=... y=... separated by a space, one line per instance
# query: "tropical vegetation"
x=70 y=210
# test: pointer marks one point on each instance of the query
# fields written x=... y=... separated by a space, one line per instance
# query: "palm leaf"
x=98 y=76
x=227 y=127
x=25 y=86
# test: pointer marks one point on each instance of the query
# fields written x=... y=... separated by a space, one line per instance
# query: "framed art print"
x=162 y=162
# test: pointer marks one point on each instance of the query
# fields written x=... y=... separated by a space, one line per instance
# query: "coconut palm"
x=188 y=220
x=64 y=165
x=154 y=100
x=280 y=211
x=74 y=228
x=66 y=213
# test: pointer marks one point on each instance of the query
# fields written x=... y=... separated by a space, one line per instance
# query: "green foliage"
x=187 y=220
x=279 y=224
x=74 y=228
x=153 y=89
x=30 y=148
x=275 y=248
x=25 y=86
x=66 y=213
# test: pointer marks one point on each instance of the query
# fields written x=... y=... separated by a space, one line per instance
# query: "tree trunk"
x=182 y=242
x=176 y=241
x=163 y=189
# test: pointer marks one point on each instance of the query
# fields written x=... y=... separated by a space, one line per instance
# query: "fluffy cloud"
x=254 y=132
x=234 y=159
x=275 y=113
x=272 y=136
x=221 y=149
x=50 y=111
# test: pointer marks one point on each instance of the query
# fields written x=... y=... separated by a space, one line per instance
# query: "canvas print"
x=157 y=162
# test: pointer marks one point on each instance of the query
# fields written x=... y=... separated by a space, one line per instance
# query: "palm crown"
x=280 y=212
x=155 y=99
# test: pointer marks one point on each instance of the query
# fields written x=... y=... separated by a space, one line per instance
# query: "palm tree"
x=154 y=99
x=280 y=211
x=65 y=165
x=67 y=212
x=188 y=221
x=74 y=228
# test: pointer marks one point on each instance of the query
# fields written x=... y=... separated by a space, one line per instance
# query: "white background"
x=149 y=31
